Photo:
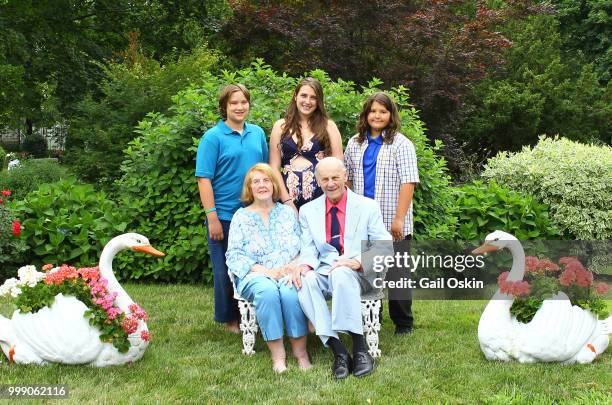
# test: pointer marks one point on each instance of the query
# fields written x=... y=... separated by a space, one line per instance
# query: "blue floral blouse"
x=251 y=242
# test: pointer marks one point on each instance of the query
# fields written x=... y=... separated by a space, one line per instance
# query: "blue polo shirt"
x=369 y=165
x=224 y=156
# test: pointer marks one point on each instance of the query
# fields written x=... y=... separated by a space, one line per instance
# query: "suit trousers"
x=342 y=286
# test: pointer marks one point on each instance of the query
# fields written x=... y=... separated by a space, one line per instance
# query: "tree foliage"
x=102 y=126
x=538 y=92
x=438 y=49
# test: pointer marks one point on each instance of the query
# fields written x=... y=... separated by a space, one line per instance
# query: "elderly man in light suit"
x=332 y=265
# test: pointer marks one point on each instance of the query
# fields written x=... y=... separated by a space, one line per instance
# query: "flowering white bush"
x=572 y=178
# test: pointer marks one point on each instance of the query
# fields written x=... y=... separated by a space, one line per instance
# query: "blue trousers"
x=274 y=303
x=226 y=307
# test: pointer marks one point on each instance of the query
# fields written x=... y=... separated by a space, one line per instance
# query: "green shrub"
x=36 y=145
x=3 y=161
x=483 y=208
x=68 y=222
x=158 y=187
x=30 y=175
x=574 y=179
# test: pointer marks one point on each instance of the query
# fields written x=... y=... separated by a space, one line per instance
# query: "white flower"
x=15 y=291
x=8 y=285
x=29 y=276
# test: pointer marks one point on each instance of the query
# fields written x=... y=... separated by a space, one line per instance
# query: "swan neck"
x=518 y=261
x=111 y=249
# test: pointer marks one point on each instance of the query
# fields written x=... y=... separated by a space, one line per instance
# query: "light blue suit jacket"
x=363 y=222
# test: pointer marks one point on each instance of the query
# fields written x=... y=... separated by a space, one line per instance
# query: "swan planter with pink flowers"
x=535 y=320
x=75 y=316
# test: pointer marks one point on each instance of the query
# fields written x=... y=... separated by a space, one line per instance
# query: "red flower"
x=16 y=228
x=145 y=335
x=1 y=201
x=6 y=193
x=129 y=324
x=567 y=260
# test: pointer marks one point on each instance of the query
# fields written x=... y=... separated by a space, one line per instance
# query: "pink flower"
x=601 y=288
x=16 y=228
x=63 y=273
x=501 y=281
x=145 y=335
x=6 y=193
x=113 y=313
x=520 y=288
x=547 y=265
x=129 y=324
x=531 y=263
x=46 y=267
x=566 y=260
x=567 y=277
x=89 y=273
x=138 y=312
x=584 y=278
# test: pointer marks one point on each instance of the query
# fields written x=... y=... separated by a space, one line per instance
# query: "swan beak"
x=11 y=354
x=485 y=248
x=149 y=250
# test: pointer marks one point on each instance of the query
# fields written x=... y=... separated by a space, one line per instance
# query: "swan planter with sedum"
x=532 y=319
x=75 y=316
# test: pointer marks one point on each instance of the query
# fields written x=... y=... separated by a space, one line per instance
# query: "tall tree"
x=439 y=49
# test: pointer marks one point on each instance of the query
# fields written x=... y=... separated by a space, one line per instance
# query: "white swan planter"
x=62 y=334
x=559 y=332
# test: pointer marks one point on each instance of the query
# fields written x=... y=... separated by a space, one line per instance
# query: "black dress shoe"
x=363 y=364
x=403 y=330
x=343 y=365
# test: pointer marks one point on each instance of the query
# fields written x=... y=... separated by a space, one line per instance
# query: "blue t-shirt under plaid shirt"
x=396 y=164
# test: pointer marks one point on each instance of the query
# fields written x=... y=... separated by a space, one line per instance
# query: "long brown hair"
x=394 y=120
x=317 y=121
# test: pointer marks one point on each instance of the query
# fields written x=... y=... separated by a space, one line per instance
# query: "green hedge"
x=573 y=178
x=158 y=188
x=68 y=222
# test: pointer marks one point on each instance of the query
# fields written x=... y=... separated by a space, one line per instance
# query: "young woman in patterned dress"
x=298 y=141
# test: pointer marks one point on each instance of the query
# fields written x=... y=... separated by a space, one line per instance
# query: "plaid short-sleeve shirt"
x=396 y=164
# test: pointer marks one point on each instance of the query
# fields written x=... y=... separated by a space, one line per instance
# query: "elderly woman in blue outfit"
x=264 y=242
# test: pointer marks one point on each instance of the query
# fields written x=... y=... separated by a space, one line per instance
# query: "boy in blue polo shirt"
x=225 y=154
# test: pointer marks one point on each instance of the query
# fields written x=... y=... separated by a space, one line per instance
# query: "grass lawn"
x=192 y=360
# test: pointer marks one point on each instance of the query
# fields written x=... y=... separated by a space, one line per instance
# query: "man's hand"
x=350 y=263
x=296 y=275
x=214 y=228
x=397 y=229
